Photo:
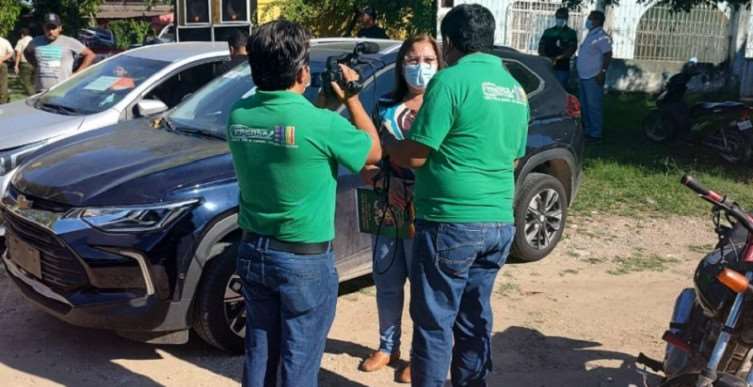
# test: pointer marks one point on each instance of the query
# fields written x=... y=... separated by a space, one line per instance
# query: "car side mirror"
x=150 y=107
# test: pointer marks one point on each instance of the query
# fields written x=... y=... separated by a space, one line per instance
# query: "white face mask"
x=560 y=22
x=419 y=75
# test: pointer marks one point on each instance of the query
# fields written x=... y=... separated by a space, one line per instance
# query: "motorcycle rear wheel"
x=657 y=128
x=739 y=150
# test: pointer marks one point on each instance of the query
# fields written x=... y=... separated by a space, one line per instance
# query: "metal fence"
x=666 y=35
x=527 y=20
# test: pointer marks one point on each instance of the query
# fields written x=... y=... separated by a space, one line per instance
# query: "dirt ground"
x=578 y=318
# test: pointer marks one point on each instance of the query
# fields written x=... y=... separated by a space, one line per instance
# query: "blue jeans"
x=390 y=273
x=563 y=76
x=592 y=100
x=452 y=279
x=290 y=304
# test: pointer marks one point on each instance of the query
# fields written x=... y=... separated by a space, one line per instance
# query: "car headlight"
x=133 y=219
x=10 y=158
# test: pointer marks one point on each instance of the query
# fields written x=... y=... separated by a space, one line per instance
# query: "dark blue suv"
x=133 y=228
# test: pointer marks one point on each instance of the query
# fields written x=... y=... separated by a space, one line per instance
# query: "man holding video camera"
x=464 y=143
x=286 y=154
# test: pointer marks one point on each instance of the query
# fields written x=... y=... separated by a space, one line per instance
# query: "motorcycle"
x=722 y=126
x=710 y=333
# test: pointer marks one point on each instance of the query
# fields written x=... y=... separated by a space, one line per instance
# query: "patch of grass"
x=595 y=260
x=629 y=175
x=568 y=271
x=508 y=289
x=639 y=263
x=701 y=249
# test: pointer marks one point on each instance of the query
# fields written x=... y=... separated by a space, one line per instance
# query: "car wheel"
x=220 y=311
x=540 y=214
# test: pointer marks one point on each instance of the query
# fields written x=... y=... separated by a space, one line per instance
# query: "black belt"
x=288 y=247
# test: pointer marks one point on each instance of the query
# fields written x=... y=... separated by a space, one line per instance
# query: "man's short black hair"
x=24 y=31
x=238 y=40
x=562 y=12
x=470 y=28
x=598 y=17
x=368 y=11
x=277 y=51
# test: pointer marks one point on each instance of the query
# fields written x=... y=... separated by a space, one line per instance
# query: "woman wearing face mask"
x=417 y=62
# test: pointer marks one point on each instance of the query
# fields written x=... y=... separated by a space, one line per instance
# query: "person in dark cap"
x=54 y=54
x=367 y=17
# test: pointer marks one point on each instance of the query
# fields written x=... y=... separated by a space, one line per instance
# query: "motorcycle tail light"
x=676 y=341
x=733 y=280
x=573 y=107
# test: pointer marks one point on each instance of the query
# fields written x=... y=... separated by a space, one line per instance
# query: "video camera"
x=333 y=72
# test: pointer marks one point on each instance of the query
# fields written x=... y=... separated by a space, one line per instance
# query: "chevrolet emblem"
x=23 y=203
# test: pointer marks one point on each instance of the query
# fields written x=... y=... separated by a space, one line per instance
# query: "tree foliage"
x=75 y=13
x=337 y=17
x=128 y=32
x=9 y=12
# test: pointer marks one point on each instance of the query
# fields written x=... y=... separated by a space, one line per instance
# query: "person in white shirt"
x=24 y=69
x=6 y=52
x=594 y=56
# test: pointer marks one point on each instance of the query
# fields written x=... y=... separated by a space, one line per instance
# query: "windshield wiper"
x=201 y=132
x=55 y=108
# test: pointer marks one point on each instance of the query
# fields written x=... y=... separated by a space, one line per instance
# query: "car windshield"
x=208 y=110
x=99 y=87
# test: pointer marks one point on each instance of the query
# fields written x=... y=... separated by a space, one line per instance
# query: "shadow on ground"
x=526 y=357
x=48 y=350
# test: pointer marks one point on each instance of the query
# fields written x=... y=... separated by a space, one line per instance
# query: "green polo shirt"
x=475 y=119
x=286 y=154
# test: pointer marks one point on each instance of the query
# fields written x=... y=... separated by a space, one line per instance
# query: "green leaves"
x=337 y=17
x=129 y=31
x=9 y=11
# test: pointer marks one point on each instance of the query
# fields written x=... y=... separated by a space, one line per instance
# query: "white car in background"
x=137 y=83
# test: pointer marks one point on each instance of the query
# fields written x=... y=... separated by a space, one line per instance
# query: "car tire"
x=537 y=234
x=218 y=305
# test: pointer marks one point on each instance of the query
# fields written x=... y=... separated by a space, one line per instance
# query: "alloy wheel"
x=235 y=306
x=543 y=219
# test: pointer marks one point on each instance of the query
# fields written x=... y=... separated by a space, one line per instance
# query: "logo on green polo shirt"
x=494 y=92
x=277 y=136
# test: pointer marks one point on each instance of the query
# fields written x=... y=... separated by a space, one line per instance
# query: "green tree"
x=128 y=32
x=75 y=13
x=9 y=12
x=336 y=17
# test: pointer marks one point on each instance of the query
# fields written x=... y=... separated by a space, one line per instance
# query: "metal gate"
x=676 y=36
x=527 y=20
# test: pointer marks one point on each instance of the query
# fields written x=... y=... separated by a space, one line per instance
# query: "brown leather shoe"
x=404 y=375
x=378 y=360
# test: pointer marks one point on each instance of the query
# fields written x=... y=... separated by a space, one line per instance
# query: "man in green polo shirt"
x=463 y=145
x=286 y=154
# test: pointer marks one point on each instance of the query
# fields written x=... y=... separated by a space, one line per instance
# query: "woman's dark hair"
x=470 y=28
x=276 y=52
x=401 y=86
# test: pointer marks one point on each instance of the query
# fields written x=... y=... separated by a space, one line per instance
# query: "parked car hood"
x=127 y=164
x=21 y=124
